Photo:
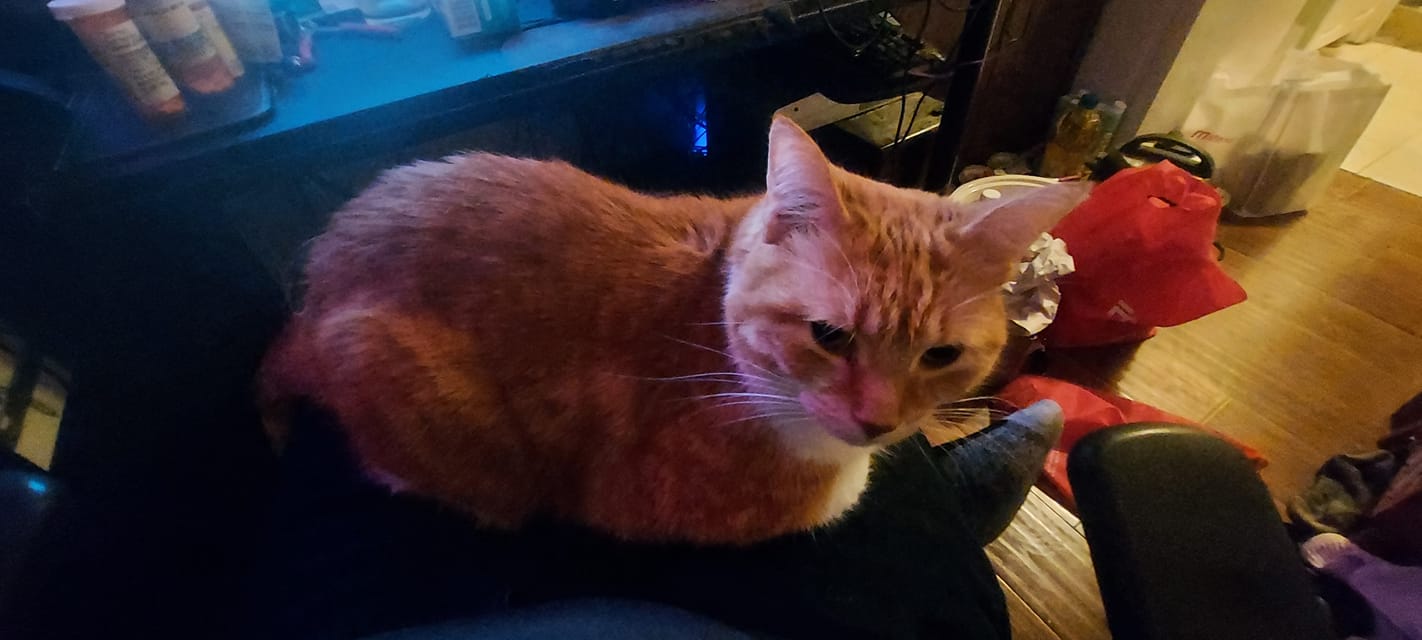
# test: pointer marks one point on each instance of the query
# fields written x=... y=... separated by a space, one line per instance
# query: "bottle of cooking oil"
x=1073 y=140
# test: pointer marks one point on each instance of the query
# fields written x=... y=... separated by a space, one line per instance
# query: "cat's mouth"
x=860 y=434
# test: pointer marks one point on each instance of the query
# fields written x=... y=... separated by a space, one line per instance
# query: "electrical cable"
x=972 y=10
x=908 y=61
x=936 y=77
x=829 y=25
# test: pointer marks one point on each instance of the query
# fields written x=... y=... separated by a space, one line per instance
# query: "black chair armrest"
x=1186 y=541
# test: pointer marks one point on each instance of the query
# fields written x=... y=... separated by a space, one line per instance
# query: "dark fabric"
x=1406 y=428
x=166 y=477
x=1347 y=611
x=1392 y=592
x=1396 y=534
x=28 y=502
x=161 y=316
x=1343 y=491
x=347 y=559
x=1374 y=498
x=1394 y=530
x=578 y=620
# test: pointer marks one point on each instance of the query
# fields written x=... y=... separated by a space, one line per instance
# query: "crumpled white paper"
x=1033 y=295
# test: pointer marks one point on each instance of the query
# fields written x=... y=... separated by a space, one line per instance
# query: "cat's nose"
x=874 y=429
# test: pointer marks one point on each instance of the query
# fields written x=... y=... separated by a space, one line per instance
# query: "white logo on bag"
x=1122 y=311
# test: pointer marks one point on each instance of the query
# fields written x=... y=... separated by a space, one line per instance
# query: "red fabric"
x=1087 y=411
x=1144 y=256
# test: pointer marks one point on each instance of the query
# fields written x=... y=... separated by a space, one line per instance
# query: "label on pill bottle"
x=462 y=17
x=122 y=51
x=207 y=20
x=172 y=30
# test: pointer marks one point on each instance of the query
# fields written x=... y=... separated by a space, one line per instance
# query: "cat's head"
x=862 y=307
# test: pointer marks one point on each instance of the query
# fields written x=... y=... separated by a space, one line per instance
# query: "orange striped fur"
x=519 y=338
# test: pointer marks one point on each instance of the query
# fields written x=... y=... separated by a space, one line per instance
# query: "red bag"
x=1142 y=243
x=1087 y=411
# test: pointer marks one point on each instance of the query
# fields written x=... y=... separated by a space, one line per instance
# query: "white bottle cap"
x=71 y=9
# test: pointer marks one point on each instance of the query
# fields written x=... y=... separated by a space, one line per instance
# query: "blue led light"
x=699 y=134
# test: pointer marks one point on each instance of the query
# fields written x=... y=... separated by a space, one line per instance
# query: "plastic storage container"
x=1277 y=147
x=997 y=187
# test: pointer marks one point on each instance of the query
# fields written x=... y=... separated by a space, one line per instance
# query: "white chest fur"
x=808 y=441
x=848 y=487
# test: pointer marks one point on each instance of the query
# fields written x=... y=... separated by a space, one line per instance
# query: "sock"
x=993 y=470
x=1393 y=592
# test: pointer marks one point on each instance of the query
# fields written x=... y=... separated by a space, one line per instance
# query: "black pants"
x=346 y=559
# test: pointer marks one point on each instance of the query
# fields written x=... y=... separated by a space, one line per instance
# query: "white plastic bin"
x=1277 y=147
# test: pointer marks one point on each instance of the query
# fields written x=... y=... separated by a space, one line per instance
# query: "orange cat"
x=518 y=338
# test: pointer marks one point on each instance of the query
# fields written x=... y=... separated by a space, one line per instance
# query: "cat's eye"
x=831 y=338
x=939 y=357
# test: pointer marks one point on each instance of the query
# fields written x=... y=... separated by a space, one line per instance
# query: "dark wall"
x=1036 y=48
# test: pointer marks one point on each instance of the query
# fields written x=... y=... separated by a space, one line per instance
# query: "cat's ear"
x=799 y=183
x=1006 y=227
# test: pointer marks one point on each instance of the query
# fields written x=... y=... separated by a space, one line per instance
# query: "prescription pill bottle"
x=207 y=21
x=475 y=20
x=251 y=27
x=109 y=34
x=175 y=35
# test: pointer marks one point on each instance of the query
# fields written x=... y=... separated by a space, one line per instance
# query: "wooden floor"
x=1327 y=346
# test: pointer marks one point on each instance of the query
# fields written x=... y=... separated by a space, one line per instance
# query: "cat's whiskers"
x=766 y=416
x=763 y=405
x=712 y=376
x=757 y=403
x=975 y=405
x=771 y=396
x=963 y=424
x=748 y=390
x=974 y=298
x=969 y=399
x=985 y=447
x=964 y=413
x=971 y=411
x=723 y=353
x=963 y=417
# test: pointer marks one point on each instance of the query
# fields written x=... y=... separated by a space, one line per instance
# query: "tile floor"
x=1390 y=150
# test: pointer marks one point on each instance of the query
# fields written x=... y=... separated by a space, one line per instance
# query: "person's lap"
x=346 y=559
